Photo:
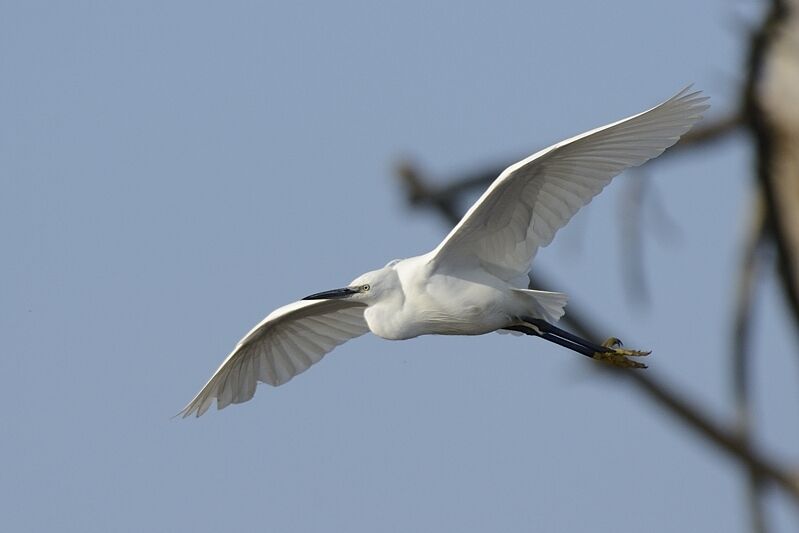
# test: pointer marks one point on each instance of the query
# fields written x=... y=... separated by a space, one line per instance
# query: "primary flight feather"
x=475 y=280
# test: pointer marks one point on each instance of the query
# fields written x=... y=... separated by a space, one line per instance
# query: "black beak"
x=335 y=293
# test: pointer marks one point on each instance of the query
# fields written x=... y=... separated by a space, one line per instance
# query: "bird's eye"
x=365 y=288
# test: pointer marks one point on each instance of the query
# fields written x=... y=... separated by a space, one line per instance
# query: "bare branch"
x=704 y=135
x=632 y=237
x=418 y=194
x=781 y=204
x=741 y=352
x=724 y=439
x=777 y=215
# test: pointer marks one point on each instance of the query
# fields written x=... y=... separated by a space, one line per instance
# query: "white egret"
x=475 y=281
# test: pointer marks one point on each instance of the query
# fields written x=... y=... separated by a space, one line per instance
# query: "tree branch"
x=420 y=194
x=780 y=207
x=741 y=351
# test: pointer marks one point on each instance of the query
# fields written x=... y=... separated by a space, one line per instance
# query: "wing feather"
x=532 y=199
x=284 y=344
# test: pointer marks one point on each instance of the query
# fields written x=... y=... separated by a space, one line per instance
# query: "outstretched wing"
x=284 y=344
x=534 y=198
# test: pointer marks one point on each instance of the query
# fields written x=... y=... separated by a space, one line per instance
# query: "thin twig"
x=704 y=135
x=741 y=351
x=631 y=224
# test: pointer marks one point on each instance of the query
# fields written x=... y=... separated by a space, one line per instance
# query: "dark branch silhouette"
x=774 y=223
x=721 y=435
x=780 y=211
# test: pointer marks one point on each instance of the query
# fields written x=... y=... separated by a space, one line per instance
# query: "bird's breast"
x=389 y=322
x=472 y=310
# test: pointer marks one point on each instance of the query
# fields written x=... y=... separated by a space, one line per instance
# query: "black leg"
x=566 y=343
x=609 y=352
x=546 y=327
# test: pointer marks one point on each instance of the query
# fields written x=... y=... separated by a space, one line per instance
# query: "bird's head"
x=367 y=288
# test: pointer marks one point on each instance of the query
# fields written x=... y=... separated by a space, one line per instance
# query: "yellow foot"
x=615 y=344
x=618 y=356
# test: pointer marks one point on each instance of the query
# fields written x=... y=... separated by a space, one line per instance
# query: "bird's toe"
x=619 y=358
x=613 y=343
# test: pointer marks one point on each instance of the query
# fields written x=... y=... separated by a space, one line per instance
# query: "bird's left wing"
x=532 y=199
x=285 y=343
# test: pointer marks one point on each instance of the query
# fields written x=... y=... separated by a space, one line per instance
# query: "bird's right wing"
x=532 y=199
x=285 y=343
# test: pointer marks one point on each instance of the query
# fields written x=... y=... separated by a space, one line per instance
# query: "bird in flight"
x=476 y=280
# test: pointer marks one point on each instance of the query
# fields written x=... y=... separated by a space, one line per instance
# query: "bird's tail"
x=544 y=304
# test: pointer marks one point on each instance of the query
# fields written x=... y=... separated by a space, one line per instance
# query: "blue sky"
x=171 y=172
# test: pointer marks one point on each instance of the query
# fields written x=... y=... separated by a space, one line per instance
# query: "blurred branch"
x=632 y=237
x=705 y=134
x=741 y=351
x=641 y=208
x=419 y=193
x=781 y=211
x=776 y=179
x=774 y=215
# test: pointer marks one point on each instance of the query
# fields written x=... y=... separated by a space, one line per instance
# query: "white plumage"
x=534 y=198
x=285 y=343
x=474 y=282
